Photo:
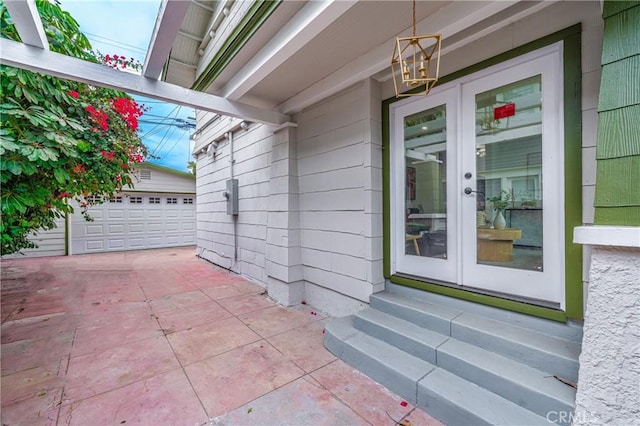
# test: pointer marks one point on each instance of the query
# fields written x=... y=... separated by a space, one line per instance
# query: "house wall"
x=608 y=391
x=340 y=180
x=238 y=243
x=310 y=198
x=618 y=151
x=163 y=181
x=332 y=192
x=50 y=243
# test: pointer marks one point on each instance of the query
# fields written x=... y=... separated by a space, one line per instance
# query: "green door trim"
x=253 y=19
x=572 y=74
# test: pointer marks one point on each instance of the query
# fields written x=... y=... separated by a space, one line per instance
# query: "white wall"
x=50 y=243
x=309 y=197
x=340 y=181
x=217 y=235
x=162 y=181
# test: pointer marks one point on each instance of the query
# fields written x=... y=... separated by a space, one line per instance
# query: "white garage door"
x=136 y=221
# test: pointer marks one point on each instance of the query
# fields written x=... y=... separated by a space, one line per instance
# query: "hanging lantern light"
x=413 y=64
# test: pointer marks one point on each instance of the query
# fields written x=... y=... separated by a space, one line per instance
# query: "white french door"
x=470 y=154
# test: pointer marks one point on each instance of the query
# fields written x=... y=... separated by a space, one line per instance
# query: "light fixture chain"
x=414 y=18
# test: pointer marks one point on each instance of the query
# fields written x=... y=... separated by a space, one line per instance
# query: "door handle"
x=468 y=191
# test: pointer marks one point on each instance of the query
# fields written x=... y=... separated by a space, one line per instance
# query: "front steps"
x=463 y=363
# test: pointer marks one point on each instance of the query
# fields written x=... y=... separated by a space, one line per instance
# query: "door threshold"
x=474 y=290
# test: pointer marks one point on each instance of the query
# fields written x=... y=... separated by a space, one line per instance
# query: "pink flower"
x=73 y=93
x=79 y=168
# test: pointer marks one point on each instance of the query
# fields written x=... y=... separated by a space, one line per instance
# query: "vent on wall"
x=145 y=174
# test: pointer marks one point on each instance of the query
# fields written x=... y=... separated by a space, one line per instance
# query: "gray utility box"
x=231 y=195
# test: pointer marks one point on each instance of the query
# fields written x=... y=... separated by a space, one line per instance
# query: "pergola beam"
x=168 y=23
x=43 y=61
x=26 y=18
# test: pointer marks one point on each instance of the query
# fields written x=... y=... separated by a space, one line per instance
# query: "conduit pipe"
x=234 y=218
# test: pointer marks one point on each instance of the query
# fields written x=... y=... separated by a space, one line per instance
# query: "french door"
x=478 y=181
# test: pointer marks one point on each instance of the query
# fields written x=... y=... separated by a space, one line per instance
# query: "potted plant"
x=499 y=203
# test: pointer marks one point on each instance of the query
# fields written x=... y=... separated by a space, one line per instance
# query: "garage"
x=133 y=221
x=160 y=211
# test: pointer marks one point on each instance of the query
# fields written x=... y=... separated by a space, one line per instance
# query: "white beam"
x=310 y=21
x=168 y=22
x=24 y=14
x=451 y=19
x=43 y=61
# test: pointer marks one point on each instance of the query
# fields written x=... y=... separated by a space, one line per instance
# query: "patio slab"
x=160 y=337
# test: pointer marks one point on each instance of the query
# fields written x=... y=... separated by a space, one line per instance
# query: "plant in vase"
x=499 y=203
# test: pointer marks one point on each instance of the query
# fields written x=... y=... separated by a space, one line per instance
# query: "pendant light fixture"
x=413 y=64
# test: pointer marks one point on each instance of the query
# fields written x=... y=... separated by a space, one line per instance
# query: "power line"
x=116 y=43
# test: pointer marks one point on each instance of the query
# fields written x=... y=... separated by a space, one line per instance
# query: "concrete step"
x=444 y=395
x=530 y=388
x=569 y=331
x=545 y=352
x=456 y=401
x=388 y=365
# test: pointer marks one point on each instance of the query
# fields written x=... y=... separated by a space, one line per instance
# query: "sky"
x=124 y=28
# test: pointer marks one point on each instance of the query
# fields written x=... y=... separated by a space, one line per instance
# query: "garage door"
x=136 y=221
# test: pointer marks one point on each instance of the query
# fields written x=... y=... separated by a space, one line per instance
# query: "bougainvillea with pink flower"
x=62 y=143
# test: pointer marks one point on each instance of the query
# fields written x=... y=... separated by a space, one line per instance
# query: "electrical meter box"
x=232 y=197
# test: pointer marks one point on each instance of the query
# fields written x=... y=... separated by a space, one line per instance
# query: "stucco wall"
x=609 y=382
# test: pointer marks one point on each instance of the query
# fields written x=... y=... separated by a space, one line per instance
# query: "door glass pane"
x=509 y=175
x=425 y=210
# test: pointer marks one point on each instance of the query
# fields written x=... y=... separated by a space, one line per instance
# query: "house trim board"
x=257 y=14
x=573 y=181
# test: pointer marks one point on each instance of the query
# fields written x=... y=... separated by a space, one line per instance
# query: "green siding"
x=573 y=181
x=621 y=36
x=618 y=182
x=617 y=199
x=619 y=133
x=614 y=7
x=620 y=85
x=616 y=215
x=257 y=14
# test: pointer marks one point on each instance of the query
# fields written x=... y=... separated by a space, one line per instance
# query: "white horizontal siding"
x=215 y=228
x=162 y=181
x=333 y=139
x=50 y=243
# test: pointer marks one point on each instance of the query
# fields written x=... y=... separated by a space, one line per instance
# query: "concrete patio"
x=160 y=337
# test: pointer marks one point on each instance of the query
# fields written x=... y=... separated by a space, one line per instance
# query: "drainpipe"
x=229 y=136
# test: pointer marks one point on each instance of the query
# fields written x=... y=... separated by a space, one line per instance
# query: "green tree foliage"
x=192 y=166
x=60 y=140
